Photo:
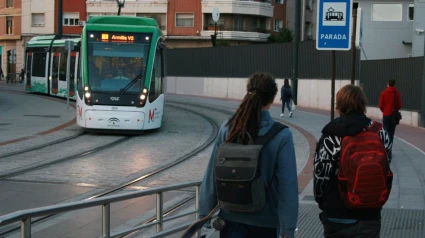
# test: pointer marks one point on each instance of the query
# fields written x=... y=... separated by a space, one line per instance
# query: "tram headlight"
x=87 y=95
x=143 y=97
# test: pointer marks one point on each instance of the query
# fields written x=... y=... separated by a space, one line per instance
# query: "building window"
x=411 y=11
x=37 y=19
x=184 y=19
x=71 y=19
x=9 y=3
x=278 y=1
x=278 y=25
x=309 y=5
x=387 y=12
x=9 y=25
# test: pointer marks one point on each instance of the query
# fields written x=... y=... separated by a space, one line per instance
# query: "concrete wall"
x=45 y=6
x=419 y=23
x=384 y=39
x=312 y=93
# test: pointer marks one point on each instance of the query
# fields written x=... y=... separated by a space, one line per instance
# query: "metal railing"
x=25 y=216
x=13 y=77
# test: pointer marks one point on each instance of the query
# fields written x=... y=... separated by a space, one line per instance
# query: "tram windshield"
x=115 y=59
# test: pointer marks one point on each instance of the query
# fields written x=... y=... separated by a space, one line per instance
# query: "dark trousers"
x=359 y=229
x=239 y=230
x=389 y=126
x=286 y=103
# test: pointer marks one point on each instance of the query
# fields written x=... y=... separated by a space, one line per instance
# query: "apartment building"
x=41 y=18
x=392 y=28
x=308 y=18
x=10 y=36
x=188 y=23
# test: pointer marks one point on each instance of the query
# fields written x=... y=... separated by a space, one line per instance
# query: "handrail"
x=25 y=215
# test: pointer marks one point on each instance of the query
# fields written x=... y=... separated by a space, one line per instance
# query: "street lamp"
x=120 y=5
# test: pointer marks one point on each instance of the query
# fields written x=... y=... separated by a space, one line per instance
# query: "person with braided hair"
x=279 y=216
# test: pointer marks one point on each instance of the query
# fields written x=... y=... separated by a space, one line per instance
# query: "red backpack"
x=364 y=176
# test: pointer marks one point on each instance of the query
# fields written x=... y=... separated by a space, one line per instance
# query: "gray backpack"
x=239 y=186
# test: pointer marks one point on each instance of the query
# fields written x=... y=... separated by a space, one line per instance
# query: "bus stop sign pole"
x=334 y=30
x=423 y=94
x=69 y=45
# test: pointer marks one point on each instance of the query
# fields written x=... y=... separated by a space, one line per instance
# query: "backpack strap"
x=375 y=127
x=276 y=128
x=262 y=140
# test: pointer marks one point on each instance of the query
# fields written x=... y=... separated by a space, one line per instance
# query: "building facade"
x=189 y=23
x=308 y=18
x=10 y=36
x=41 y=18
x=392 y=28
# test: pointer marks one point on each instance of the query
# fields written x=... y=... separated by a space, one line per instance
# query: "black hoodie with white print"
x=326 y=162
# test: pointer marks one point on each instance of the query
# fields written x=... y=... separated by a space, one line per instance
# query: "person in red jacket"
x=386 y=104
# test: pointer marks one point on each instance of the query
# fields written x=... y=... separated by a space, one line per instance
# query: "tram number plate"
x=114 y=108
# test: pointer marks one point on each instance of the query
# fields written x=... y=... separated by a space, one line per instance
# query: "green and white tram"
x=46 y=61
x=122 y=74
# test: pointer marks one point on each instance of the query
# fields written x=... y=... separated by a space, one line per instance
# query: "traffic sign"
x=215 y=14
x=334 y=21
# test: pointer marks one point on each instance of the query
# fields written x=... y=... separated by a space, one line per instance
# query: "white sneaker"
x=290 y=114
x=281 y=115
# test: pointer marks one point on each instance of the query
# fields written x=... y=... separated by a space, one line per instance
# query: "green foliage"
x=285 y=35
x=223 y=43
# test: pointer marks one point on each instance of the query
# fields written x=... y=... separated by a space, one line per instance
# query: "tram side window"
x=156 y=82
x=39 y=65
x=62 y=66
x=79 y=79
x=55 y=66
x=28 y=65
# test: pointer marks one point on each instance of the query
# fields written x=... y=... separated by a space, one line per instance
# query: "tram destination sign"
x=334 y=21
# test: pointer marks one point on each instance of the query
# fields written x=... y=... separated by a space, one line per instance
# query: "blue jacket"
x=281 y=209
x=285 y=93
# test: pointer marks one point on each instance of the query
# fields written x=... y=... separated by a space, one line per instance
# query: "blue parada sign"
x=334 y=24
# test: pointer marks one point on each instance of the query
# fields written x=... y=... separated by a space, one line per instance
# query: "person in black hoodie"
x=286 y=97
x=337 y=219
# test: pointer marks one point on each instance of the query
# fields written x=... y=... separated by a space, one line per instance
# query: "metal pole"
x=159 y=210
x=60 y=18
x=353 y=48
x=119 y=10
x=26 y=228
x=197 y=192
x=68 y=80
x=423 y=94
x=333 y=86
x=294 y=82
x=106 y=220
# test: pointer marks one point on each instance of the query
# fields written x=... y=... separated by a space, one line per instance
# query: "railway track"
x=126 y=184
x=63 y=159
x=38 y=147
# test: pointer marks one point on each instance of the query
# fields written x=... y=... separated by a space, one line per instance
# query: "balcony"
x=145 y=6
x=232 y=32
x=245 y=7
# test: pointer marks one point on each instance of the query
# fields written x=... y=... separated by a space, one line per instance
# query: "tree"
x=285 y=35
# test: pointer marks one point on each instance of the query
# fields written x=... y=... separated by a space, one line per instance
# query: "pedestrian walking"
x=286 y=97
x=390 y=104
x=258 y=198
x=351 y=157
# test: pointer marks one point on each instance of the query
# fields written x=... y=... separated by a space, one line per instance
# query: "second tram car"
x=46 y=61
x=121 y=84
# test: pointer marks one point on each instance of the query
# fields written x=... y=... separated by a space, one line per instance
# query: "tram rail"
x=42 y=146
x=126 y=184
